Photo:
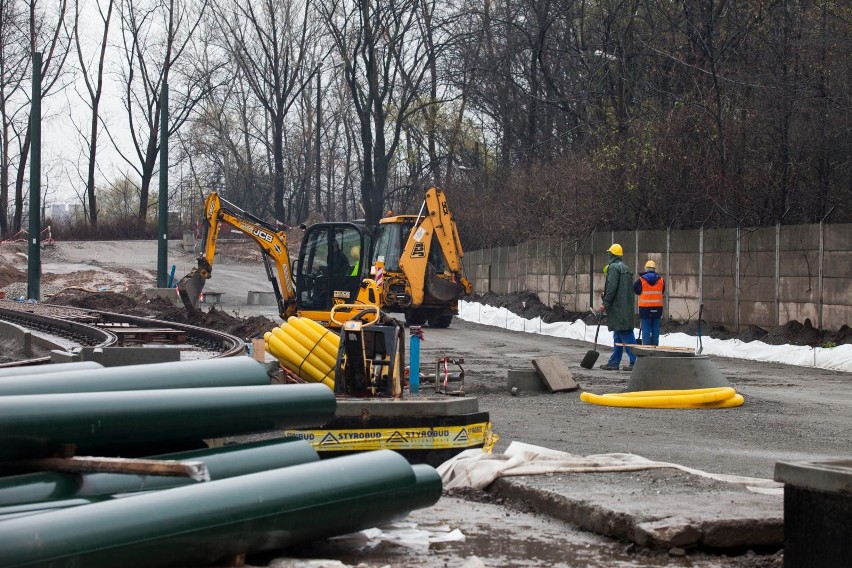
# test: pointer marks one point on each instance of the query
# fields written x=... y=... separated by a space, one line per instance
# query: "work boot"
x=627 y=367
x=609 y=367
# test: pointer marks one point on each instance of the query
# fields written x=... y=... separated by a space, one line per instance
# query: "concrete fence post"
x=820 y=274
x=701 y=265
x=778 y=273
x=666 y=294
x=737 y=285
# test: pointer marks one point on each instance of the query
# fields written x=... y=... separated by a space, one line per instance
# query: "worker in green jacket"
x=618 y=304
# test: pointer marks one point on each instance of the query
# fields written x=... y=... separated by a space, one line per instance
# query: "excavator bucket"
x=189 y=288
x=440 y=288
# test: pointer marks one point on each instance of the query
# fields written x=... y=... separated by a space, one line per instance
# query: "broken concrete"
x=660 y=509
x=525 y=380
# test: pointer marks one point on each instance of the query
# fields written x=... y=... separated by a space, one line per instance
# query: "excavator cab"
x=331 y=269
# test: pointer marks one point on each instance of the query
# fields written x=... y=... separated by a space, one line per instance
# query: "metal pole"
x=414 y=359
x=163 y=237
x=34 y=247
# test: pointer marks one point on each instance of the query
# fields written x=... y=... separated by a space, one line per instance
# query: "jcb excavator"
x=330 y=270
x=422 y=263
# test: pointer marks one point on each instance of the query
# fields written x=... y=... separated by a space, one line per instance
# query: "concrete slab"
x=663 y=508
x=119 y=356
x=555 y=374
x=525 y=380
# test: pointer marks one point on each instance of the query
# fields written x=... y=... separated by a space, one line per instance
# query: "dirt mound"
x=162 y=309
x=106 y=301
x=10 y=274
x=794 y=333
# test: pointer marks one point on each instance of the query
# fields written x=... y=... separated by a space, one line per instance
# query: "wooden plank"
x=194 y=469
x=555 y=374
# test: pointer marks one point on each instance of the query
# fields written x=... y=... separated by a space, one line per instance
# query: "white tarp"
x=836 y=358
x=477 y=469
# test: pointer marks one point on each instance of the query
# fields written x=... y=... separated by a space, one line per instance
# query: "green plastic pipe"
x=222 y=463
x=227 y=372
x=124 y=423
x=208 y=521
x=15 y=372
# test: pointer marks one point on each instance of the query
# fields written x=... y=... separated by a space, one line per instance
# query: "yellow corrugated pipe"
x=717 y=397
x=306 y=348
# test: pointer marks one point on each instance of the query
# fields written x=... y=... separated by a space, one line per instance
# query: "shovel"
x=700 y=344
x=592 y=355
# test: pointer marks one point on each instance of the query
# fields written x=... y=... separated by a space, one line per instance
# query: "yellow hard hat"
x=650 y=264
x=616 y=249
x=355 y=251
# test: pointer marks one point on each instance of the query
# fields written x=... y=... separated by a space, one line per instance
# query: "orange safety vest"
x=652 y=294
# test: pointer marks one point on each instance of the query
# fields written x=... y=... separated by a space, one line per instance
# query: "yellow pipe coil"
x=717 y=397
x=305 y=348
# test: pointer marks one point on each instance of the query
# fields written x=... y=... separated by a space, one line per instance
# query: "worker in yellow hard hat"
x=355 y=253
x=618 y=305
x=651 y=288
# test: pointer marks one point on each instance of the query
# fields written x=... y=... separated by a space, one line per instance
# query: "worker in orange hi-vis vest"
x=650 y=287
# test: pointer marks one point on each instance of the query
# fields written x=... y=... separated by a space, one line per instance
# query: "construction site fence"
x=743 y=276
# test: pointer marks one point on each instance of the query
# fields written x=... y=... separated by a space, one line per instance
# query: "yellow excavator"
x=330 y=270
x=422 y=256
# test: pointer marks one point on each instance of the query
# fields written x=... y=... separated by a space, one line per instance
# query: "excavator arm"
x=434 y=223
x=272 y=243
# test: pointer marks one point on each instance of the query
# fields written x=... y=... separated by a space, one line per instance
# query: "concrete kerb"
x=661 y=508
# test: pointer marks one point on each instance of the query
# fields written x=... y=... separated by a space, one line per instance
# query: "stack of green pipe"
x=110 y=423
x=56 y=488
x=208 y=521
x=15 y=372
x=228 y=372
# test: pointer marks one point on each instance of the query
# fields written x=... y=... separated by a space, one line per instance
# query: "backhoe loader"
x=331 y=269
x=422 y=263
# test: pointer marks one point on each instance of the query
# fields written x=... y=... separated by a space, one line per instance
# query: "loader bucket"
x=442 y=289
x=189 y=288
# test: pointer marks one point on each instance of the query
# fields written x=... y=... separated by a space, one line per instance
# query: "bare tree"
x=273 y=44
x=382 y=48
x=14 y=56
x=48 y=33
x=94 y=87
x=158 y=38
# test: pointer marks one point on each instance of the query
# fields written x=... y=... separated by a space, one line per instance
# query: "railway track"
x=67 y=328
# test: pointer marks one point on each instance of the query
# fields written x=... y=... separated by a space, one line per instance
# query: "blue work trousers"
x=622 y=336
x=650 y=331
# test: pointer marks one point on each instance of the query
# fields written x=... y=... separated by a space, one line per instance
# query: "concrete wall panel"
x=834 y=316
x=838 y=237
x=682 y=286
x=799 y=237
x=755 y=289
x=685 y=241
x=757 y=263
x=799 y=289
x=718 y=288
x=799 y=263
x=756 y=313
x=799 y=312
x=571 y=273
